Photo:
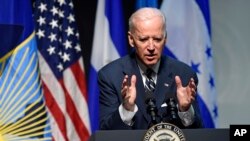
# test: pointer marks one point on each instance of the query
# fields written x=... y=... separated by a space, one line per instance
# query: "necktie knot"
x=149 y=73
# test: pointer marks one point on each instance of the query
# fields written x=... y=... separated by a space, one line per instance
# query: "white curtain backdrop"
x=231 y=46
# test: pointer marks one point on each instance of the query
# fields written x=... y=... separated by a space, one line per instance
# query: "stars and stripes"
x=62 y=69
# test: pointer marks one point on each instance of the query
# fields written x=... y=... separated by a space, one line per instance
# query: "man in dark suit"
x=124 y=82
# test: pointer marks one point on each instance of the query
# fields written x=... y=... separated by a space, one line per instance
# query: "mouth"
x=150 y=56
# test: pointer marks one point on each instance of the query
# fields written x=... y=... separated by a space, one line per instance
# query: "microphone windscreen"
x=149 y=96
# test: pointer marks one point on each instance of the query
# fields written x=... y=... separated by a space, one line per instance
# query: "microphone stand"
x=172 y=110
x=152 y=111
x=151 y=108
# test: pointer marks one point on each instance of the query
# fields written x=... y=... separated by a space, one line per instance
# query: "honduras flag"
x=109 y=43
x=189 y=40
x=146 y=3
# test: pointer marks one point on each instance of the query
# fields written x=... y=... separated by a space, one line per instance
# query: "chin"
x=150 y=63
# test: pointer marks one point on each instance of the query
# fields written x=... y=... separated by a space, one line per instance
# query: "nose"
x=151 y=44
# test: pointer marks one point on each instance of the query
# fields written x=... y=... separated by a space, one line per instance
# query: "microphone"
x=151 y=108
x=172 y=110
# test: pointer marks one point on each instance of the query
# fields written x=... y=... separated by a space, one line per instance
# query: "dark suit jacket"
x=110 y=80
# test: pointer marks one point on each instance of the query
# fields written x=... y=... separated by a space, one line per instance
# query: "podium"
x=205 y=134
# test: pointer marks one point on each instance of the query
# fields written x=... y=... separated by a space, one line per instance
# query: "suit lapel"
x=165 y=81
x=131 y=68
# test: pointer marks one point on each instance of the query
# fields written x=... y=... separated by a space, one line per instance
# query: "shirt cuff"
x=126 y=115
x=187 y=118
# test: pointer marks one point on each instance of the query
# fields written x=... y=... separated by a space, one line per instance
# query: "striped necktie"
x=150 y=84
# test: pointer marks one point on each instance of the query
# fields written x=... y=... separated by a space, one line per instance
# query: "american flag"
x=62 y=69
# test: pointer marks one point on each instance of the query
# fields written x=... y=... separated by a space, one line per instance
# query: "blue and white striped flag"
x=109 y=44
x=189 y=40
x=146 y=3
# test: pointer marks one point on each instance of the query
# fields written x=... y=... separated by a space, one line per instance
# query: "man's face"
x=148 y=38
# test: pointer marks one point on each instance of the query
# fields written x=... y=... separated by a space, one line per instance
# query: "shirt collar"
x=155 y=67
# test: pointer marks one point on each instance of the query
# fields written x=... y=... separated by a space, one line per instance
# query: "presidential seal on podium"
x=164 y=132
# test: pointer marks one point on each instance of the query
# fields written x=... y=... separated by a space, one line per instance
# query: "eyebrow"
x=146 y=36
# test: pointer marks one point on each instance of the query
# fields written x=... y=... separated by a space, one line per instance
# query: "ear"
x=130 y=39
x=166 y=38
x=165 y=41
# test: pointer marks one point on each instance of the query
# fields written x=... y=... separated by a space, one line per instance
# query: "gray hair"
x=145 y=13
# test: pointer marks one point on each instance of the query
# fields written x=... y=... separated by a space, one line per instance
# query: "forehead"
x=152 y=26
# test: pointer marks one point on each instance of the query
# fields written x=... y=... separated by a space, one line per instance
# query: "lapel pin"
x=166 y=84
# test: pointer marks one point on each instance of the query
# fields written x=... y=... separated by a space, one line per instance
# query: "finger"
x=124 y=90
x=192 y=79
x=127 y=96
x=192 y=98
x=126 y=99
x=193 y=91
x=178 y=81
x=193 y=94
x=191 y=84
x=125 y=81
x=133 y=81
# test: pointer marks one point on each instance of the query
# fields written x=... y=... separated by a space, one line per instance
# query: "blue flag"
x=146 y=3
x=189 y=40
x=109 y=44
x=23 y=114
